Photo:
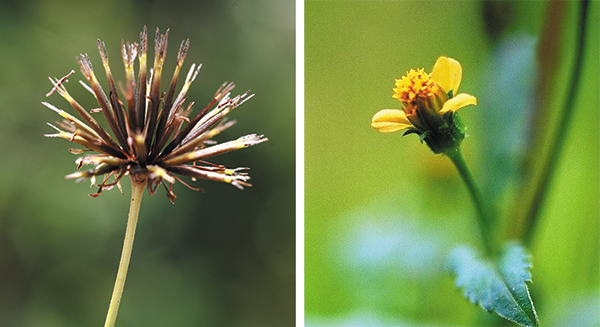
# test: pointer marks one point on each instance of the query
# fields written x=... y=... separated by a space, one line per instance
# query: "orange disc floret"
x=416 y=83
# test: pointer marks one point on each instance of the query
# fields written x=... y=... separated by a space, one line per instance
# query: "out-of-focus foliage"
x=222 y=257
x=382 y=211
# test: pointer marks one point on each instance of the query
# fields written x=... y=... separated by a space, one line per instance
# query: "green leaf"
x=496 y=285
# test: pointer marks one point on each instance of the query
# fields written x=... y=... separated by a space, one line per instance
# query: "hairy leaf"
x=497 y=285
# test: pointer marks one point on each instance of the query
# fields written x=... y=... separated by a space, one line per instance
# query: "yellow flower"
x=429 y=103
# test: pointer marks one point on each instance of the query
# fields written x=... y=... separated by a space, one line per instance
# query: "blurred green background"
x=381 y=211
x=222 y=257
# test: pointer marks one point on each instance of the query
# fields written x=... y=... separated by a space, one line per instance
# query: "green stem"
x=560 y=136
x=136 y=198
x=483 y=219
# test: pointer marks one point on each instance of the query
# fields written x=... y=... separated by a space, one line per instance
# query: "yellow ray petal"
x=390 y=120
x=447 y=73
x=459 y=101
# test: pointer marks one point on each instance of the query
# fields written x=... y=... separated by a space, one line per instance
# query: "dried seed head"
x=151 y=138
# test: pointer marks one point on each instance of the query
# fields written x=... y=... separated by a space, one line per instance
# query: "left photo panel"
x=148 y=167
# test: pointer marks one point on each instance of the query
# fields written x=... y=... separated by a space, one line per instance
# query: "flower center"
x=415 y=84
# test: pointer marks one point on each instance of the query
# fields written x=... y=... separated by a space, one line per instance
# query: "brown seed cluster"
x=155 y=139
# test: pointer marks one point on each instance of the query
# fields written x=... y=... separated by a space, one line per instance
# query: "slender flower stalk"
x=483 y=219
x=137 y=190
x=154 y=138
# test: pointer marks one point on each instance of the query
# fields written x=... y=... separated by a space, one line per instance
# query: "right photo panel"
x=452 y=163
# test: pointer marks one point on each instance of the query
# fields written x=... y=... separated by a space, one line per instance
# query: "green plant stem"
x=137 y=190
x=483 y=219
x=560 y=136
